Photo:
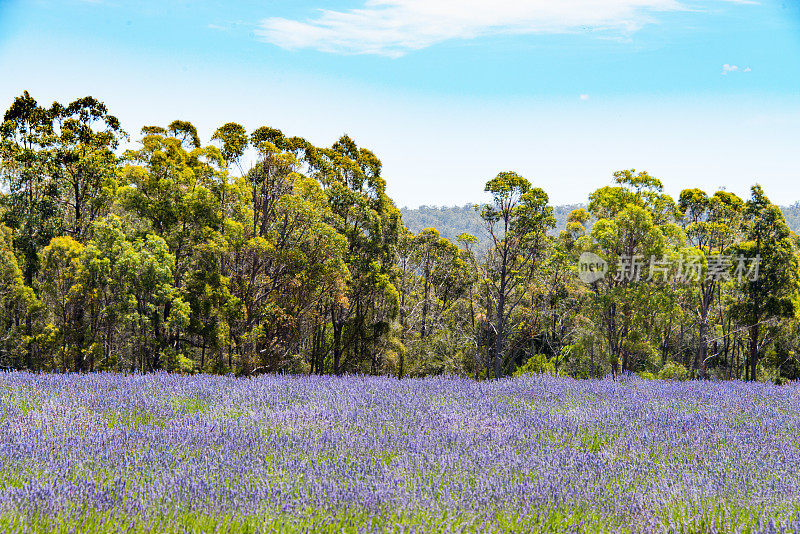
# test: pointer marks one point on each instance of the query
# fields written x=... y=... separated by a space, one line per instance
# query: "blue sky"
x=700 y=93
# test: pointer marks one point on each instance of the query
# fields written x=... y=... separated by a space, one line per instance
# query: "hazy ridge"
x=451 y=221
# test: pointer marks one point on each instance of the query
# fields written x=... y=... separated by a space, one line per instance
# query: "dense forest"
x=256 y=252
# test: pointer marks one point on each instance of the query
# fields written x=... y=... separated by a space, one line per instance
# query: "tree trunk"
x=753 y=350
x=426 y=296
x=702 y=349
x=337 y=343
x=500 y=339
x=500 y=320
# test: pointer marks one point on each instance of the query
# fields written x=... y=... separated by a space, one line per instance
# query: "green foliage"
x=518 y=221
x=535 y=365
x=184 y=256
x=773 y=293
x=673 y=371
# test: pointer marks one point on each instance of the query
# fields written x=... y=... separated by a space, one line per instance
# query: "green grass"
x=21 y=403
x=348 y=521
x=118 y=419
x=190 y=405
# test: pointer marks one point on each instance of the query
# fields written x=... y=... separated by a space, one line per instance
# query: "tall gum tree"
x=711 y=225
x=85 y=165
x=369 y=220
x=772 y=293
x=517 y=220
x=634 y=223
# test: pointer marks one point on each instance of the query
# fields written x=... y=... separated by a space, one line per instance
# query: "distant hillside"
x=465 y=219
x=792 y=214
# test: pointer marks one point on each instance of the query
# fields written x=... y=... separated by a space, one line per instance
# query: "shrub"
x=673 y=371
x=536 y=365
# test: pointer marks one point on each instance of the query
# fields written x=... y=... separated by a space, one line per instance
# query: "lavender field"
x=159 y=452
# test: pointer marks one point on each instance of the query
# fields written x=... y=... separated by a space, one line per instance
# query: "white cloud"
x=584 y=97
x=394 y=27
x=727 y=68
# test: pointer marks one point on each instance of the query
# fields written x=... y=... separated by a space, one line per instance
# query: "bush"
x=647 y=375
x=536 y=365
x=673 y=371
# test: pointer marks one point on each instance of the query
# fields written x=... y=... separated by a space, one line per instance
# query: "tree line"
x=451 y=221
x=258 y=252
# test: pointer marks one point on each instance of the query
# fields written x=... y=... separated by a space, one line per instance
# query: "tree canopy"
x=261 y=252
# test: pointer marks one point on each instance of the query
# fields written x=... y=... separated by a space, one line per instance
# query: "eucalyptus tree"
x=712 y=226
x=765 y=268
x=284 y=260
x=85 y=165
x=105 y=290
x=517 y=220
x=433 y=276
x=61 y=265
x=18 y=302
x=441 y=269
x=31 y=207
x=365 y=215
x=304 y=267
x=406 y=284
x=185 y=132
x=234 y=140
x=160 y=311
x=635 y=235
x=173 y=187
x=556 y=296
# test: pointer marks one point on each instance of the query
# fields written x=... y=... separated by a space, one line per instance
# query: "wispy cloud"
x=584 y=97
x=728 y=68
x=395 y=27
